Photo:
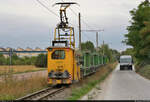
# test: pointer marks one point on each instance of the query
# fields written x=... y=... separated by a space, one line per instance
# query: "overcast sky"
x=25 y=23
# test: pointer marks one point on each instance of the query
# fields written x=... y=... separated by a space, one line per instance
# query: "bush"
x=38 y=61
x=2 y=59
x=41 y=60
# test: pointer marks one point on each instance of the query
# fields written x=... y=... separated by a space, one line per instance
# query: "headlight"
x=51 y=74
x=66 y=74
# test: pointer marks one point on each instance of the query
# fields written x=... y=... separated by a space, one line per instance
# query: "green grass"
x=24 y=72
x=145 y=71
x=7 y=97
x=13 y=89
x=78 y=93
x=30 y=71
x=18 y=69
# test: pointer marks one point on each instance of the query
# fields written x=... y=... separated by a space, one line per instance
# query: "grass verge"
x=4 y=70
x=144 y=71
x=42 y=69
x=88 y=84
x=12 y=89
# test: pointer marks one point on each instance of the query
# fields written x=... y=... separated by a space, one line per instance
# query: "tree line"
x=138 y=35
x=105 y=50
x=41 y=59
x=38 y=61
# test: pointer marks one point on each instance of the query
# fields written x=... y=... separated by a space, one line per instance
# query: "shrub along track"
x=75 y=91
x=89 y=82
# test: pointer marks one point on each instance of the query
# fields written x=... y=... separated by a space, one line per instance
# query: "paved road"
x=125 y=85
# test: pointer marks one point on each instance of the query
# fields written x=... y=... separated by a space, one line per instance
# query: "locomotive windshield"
x=58 y=54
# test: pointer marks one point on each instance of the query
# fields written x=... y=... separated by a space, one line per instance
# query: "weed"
x=144 y=71
x=4 y=70
x=13 y=89
x=86 y=87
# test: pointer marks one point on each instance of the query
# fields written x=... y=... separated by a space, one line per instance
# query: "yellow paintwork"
x=69 y=64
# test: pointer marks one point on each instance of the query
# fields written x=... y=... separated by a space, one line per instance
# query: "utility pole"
x=79 y=31
x=103 y=47
x=10 y=60
x=96 y=35
x=96 y=39
x=103 y=51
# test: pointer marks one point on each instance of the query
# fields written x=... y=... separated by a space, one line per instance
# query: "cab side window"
x=58 y=54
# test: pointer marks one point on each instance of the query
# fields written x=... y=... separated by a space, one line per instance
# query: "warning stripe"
x=70 y=77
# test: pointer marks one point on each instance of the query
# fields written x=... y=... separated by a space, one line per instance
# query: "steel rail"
x=42 y=94
x=52 y=93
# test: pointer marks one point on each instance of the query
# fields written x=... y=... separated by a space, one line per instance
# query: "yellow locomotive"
x=62 y=66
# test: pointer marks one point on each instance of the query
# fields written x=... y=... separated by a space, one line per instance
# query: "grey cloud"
x=33 y=26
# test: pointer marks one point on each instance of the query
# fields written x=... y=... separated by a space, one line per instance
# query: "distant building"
x=8 y=49
x=38 y=49
x=2 y=49
x=19 y=49
x=30 y=54
x=28 y=49
x=20 y=54
x=45 y=49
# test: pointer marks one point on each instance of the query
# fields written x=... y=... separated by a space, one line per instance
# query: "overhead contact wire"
x=46 y=8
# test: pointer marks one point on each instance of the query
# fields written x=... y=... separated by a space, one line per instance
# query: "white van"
x=126 y=62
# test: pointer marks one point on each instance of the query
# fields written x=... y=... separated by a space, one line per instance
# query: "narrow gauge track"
x=43 y=94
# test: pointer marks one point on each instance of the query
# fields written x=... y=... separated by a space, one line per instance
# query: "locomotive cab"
x=62 y=66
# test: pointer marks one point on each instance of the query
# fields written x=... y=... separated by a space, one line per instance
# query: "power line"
x=49 y=9
x=81 y=18
x=88 y=37
x=85 y=23
x=77 y=16
x=46 y=8
x=73 y=12
x=82 y=21
x=58 y=16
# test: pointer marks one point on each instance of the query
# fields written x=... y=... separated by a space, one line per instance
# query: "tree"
x=107 y=51
x=41 y=60
x=138 y=32
x=14 y=59
x=2 y=59
x=145 y=35
x=110 y=53
x=115 y=54
x=128 y=51
x=87 y=46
